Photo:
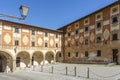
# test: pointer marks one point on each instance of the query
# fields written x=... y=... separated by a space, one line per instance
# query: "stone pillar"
x=30 y=64
x=54 y=58
x=14 y=65
x=43 y=59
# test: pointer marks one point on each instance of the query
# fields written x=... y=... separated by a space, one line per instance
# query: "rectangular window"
x=86 y=54
x=114 y=19
x=99 y=39
x=46 y=34
x=56 y=44
x=69 y=34
x=76 y=32
x=33 y=44
x=16 y=30
x=86 y=41
x=33 y=32
x=69 y=54
x=98 y=53
x=77 y=43
x=98 y=25
x=76 y=54
x=16 y=43
x=46 y=45
x=56 y=35
x=86 y=28
x=115 y=36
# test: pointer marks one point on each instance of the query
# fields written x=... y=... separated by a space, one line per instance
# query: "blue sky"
x=52 y=14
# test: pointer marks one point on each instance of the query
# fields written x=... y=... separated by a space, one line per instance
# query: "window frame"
x=116 y=36
x=16 y=42
x=98 y=53
x=16 y=30
x=32 y=32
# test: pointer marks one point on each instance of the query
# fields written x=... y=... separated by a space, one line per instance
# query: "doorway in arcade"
x=6 y=62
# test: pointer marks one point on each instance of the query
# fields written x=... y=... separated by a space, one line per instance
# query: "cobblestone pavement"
x=97 y=72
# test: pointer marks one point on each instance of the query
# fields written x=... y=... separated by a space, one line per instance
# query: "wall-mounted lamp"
x=23 y=11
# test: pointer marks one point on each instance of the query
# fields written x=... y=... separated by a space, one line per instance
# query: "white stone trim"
x=77 y=37
x=86 y=34
x=39 y=32
x=81 y=30
x=106 y=22
x=115 y=27
x=72 y=33
x=100 y=13
x=25 y=30
x=76 y=27
x=7 y=27
x=99 y=31
x=112 y=14
x=92 y=27
x=85 y=21
x=68 y=28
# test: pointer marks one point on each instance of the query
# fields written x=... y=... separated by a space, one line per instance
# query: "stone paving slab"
x=37 y=75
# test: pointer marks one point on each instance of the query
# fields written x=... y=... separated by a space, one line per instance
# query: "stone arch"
x=49 y=57
x=37 y=58
x=23 y=59
x=6 y=61
x=59 y=57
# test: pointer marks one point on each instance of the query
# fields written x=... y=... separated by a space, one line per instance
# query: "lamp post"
x=23 y=11
x=55 y=57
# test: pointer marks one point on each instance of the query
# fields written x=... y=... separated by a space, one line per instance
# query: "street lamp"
x=23 y=11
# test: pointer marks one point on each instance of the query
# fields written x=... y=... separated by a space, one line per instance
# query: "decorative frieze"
x=99 y=31
x=106 y=34
x=25 y=30
x=39 y=32
x=115 y=27
x=106 y=22
x=7 y=38
x=7 y=27
x=92 y=27
x=86 y=34
x=81 y=30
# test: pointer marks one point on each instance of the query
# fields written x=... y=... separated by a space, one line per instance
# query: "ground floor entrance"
x=0 y=64
x=115 y=55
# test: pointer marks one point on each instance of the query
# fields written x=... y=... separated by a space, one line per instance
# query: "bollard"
x=33 y=68
x=75 y=71
x=41 y=68
x=66 y=70
x=52 y=69
x=88 y=71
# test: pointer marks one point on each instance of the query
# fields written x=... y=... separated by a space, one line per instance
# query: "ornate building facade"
x=94 y=38
x=23 y=45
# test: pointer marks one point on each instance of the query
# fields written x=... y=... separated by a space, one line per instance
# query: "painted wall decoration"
x=25 y=40
x=51 y=42
x=7 y=38
x=81 y=39
x=92 y=37
x=106 y=34
x=40 y=41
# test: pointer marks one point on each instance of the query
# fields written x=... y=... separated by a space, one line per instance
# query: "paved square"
x=96 y=72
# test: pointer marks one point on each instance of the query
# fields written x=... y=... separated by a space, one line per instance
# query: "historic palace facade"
x=94 y=38
x=23 y=45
